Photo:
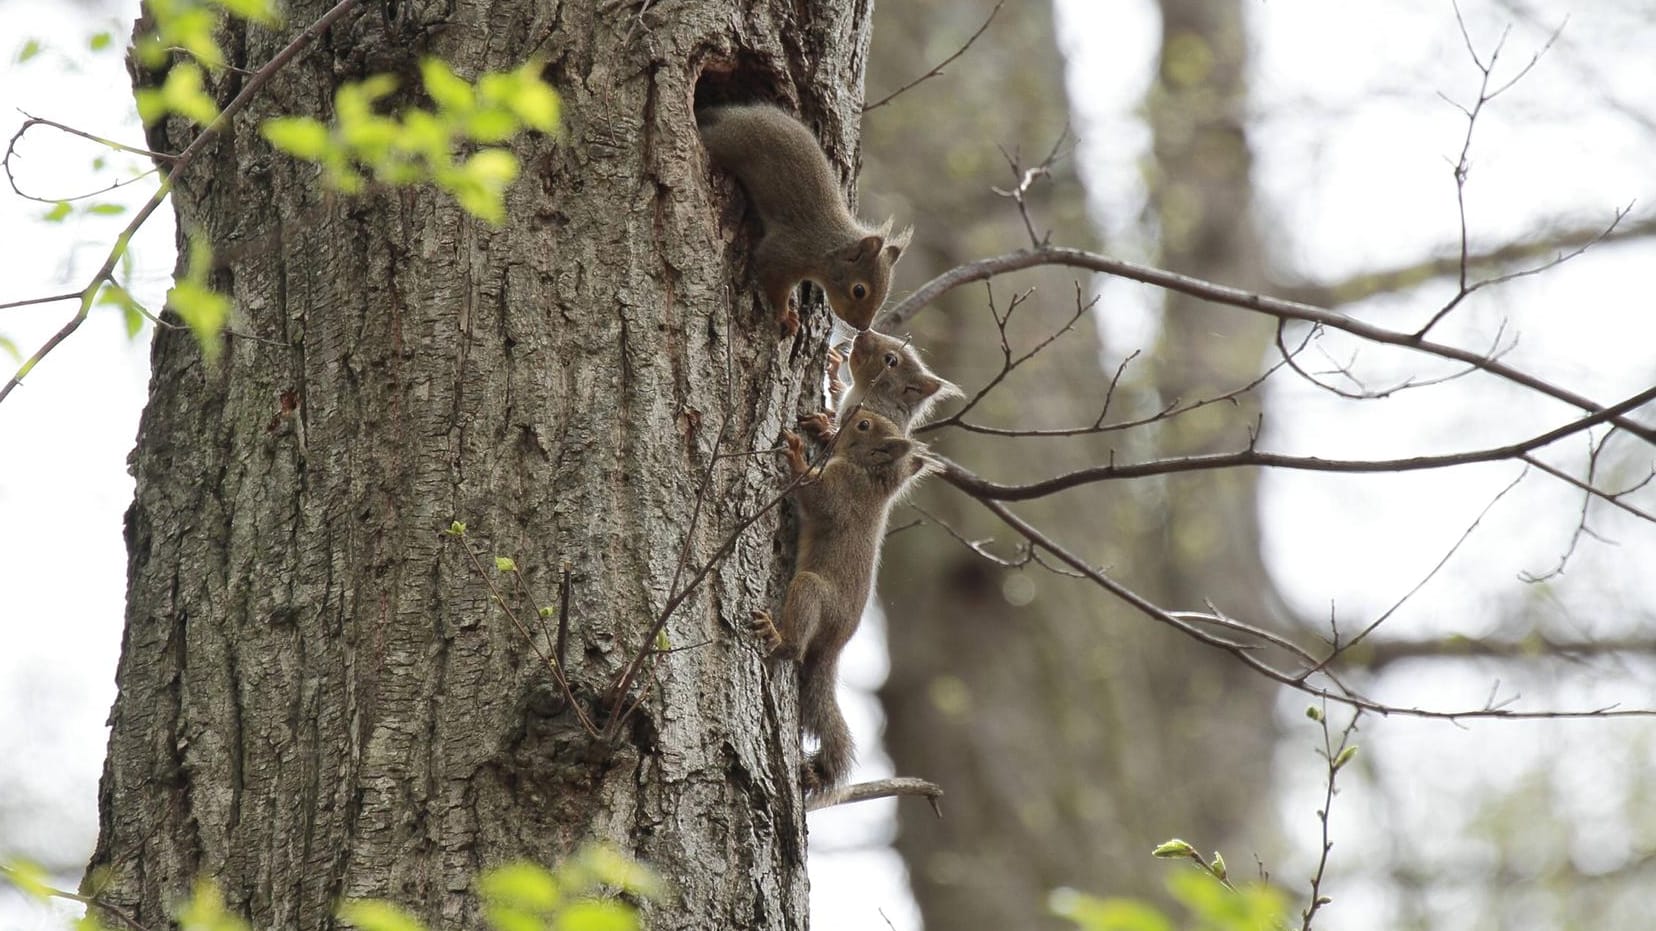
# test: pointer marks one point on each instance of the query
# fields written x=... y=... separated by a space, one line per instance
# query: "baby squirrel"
x=809 y=234
x=842 y=519
x=887 y=378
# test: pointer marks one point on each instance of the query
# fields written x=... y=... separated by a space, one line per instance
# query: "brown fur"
x=888 y=378
x=842 y=519
x=809 y=234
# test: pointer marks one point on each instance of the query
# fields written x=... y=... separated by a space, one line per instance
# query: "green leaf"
x=1313 y=712
x=597 y=916
x=131 y=311
x=448 y=90
x=31 y=48
x=1114 y=914
x=505 y=564
x=1217 y=866
x=378 y=915
x=29 y=879
x=191 y=28
x=548 y=611
x=204 y=310
x=106 y=210
x=185 y=94
x=617 y=870
x=206 y=912
x=99 y=41
x=457 y=528
x=59 y=210
x=1344 y=756
x=661 y=642
x=521 y=885
x=534 y=101
x=10 y=348
x=152 y=106
x=258 y=11
x=299 y=136
x=491 y=126
x=1174 y=849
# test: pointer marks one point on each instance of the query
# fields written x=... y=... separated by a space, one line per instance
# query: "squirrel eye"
x=891 y=360
x=858 y=291
x=863 y=425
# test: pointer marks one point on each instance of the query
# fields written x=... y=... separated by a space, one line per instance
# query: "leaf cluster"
x=421 y=145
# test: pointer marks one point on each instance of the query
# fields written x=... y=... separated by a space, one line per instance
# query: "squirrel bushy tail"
x=819 y=714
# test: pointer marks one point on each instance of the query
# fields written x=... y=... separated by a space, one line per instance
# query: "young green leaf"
x=299 y=136
x=522 y=885
x=1174 y=849
x=447 y=89
x=593 y=915
x=99 y=41
x=505 y=564
x=10 y=348
x=1344 y=756
x=378 y=915
x=31 y=48
x=106 y=210
x=59 y=210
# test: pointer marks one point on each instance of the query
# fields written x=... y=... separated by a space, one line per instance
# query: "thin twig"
x=879 y=788
x=181 y=162
x=1234 y=297
x=937 y=69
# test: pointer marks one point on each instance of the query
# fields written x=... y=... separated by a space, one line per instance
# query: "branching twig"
x=1253 y=458
x=937 y=69
x=1298 y=680
x=180 y=162
x=1336 y=758
x=1235 y=297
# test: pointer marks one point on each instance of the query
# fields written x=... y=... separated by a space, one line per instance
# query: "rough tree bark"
x=317 y=699
x=1070 y=733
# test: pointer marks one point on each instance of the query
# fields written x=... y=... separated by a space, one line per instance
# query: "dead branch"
x=937 y=69
x=1246 y=300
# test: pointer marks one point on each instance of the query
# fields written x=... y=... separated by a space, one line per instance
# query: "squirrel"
x=887 y=378
x=809 y=234
x=842 y=508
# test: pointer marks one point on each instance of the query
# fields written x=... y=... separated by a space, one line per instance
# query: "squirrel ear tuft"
x=864 y=249
x=896 y=244
x=939 y=390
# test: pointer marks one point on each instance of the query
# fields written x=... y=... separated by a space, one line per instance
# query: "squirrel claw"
x=820 y=426
x=765 y=629
x=789 y=321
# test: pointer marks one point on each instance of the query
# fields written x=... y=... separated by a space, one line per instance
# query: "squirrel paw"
x=810 y=778
x=797 y=463
x=819 y=426
x=836 y=388
x=765 y=629
x=789 y=320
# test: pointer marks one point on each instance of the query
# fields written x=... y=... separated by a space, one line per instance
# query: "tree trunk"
x=317 y=697
x=1070 y=733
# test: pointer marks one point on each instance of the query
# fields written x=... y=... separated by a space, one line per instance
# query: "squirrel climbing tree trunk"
x=317 y=698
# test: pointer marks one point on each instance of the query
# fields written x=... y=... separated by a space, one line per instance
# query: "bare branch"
x=1298 y=680
x=1253 y=458
x=1236 y=297
x=937 y=69
x=879 y=788
x=181 y=161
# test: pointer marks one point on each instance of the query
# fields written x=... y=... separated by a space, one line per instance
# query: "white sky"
x=1352 y=146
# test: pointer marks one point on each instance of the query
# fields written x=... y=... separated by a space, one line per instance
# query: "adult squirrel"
x=809 y=234
x=888 y=378
x=842 y=509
